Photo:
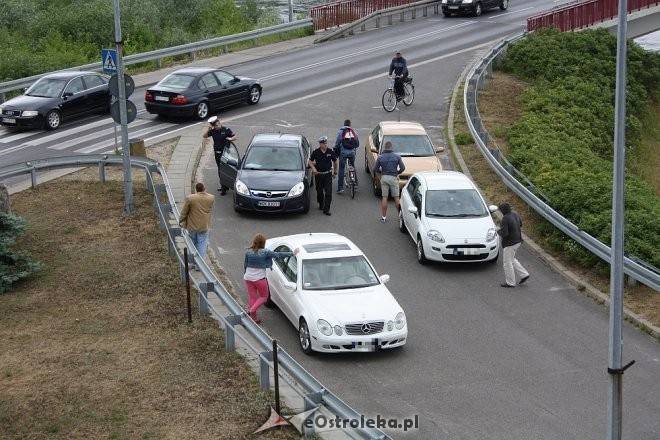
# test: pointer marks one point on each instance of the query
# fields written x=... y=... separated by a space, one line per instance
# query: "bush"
x=14 y=265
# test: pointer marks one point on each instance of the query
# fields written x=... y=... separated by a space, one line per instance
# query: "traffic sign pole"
x=126 y=151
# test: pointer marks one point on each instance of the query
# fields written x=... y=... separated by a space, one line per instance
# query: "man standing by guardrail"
x=510 y=231
x=196 y=218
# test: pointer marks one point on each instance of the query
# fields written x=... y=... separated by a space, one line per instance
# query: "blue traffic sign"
x=109 y=60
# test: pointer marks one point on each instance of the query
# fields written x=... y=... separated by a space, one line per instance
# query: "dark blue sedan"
x=197 y=91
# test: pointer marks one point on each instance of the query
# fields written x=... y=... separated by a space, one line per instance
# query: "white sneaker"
x=383 y=219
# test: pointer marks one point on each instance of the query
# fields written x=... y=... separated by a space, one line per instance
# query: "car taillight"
x=179 y=99
x=148 y=96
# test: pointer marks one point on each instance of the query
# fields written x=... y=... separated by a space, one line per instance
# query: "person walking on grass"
x=389 y=165
x=196 y=218
x=257 y=260
x=511 y=234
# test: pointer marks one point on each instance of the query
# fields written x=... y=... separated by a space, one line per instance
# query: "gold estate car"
x=410 y=141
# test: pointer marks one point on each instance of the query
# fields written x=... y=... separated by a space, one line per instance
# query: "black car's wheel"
x=366 y=164
x=477 y=9
x=304 y=337
x=446 y=13
x=504 y=5
x=202 y=110
x=421 y=256
x=307 y=203
x=53 y=120
x=402 y=224
x=254 y=96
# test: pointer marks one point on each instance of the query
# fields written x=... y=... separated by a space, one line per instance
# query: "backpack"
x=349 y=139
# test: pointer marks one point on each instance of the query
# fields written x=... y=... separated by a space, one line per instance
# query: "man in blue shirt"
x=389 y=165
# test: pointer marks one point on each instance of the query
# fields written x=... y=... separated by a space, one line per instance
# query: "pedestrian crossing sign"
x=109 y=60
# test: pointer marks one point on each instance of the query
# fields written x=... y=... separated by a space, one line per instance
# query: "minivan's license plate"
x=275 y=204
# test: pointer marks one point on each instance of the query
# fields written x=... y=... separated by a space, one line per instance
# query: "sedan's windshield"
x=337 y=273
x=177 y=81
x=455 y=203
x=268 y=158
x=47 y=88
x=410 y=145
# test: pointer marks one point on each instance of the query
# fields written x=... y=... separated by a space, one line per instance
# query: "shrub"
x=14 y=265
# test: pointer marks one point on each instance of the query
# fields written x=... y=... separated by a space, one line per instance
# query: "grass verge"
x=97 y=345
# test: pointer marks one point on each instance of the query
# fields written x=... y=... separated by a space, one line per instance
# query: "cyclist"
x=346 y=145
x=400 y=68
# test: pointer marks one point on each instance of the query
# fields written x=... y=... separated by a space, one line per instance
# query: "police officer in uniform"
x=221 y=138
x=323 y=163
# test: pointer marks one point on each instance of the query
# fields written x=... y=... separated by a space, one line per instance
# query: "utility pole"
x=125 y=148
x=615 y=352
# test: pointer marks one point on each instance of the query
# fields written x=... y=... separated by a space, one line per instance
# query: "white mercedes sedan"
x=448 y=219
x=333 y=295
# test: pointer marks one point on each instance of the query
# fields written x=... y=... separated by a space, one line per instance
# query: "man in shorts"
x=389 y=165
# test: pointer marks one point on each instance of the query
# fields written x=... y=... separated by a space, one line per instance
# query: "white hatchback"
x=333 y=295
x=448 y=219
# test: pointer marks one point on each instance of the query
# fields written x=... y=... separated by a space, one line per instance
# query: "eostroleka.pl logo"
x=277 y=420
x=320 y=422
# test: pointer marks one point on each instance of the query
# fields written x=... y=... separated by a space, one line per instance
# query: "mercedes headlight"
x=324 y=327
x=241 y=188
x=400 y=320
x=298 y=189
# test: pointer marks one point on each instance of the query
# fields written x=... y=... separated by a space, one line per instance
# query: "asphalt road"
x=481 y=361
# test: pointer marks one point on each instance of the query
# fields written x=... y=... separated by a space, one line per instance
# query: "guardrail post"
x=378 y=23
x=204 y=289
x=402 y=17
x=425 y=12
x=264 y=369
x=102 y=171
x=225 y=48
x=171 y=248
x=495 y=152
x=389 y=20
x=230 y=337
x=311 y=401
x=33 y=177
x=191 y=55
x=159 y=63
x=476 y=122
x=484 y=137
x=413 y=14
x=489 y=70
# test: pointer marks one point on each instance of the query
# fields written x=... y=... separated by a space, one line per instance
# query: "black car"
x=272 y=176
x=474 y=7
x=197 y=91
x=57 y=97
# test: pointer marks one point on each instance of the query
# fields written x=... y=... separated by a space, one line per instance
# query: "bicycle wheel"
x=389 y=100
x=352 y=189
x=410 y=93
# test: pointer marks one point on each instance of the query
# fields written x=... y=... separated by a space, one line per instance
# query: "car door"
x=209 y=86
x=233 y=90
x=374 y=148
x=283 y=277
x=407 y=196
x=229 y=163
x=74 y=98
x=414 y=221
x=97 y=93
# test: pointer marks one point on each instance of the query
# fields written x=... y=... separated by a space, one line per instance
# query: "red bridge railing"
x=583 y=14
x=335 y=14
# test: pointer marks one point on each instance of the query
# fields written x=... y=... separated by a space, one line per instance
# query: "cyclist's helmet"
x=323 y=140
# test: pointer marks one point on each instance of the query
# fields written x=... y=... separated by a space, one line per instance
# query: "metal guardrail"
x=313 y=392
x=389 y=14
x=185 y=49
x=633 y=267
x=342 y=12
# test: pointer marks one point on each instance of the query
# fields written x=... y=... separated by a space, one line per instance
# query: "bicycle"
x=350 y=178
x=389 y=97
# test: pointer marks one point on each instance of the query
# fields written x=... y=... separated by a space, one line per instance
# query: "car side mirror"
x=492 y=208
x=290 y=286
x=413 y=210
x=67 y=94
x=385 y=278
x=439 y=149
x=374 y=150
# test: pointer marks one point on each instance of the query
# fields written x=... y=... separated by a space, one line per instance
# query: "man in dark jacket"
x=399 y=66
x=221 y=136
x=510 y=231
